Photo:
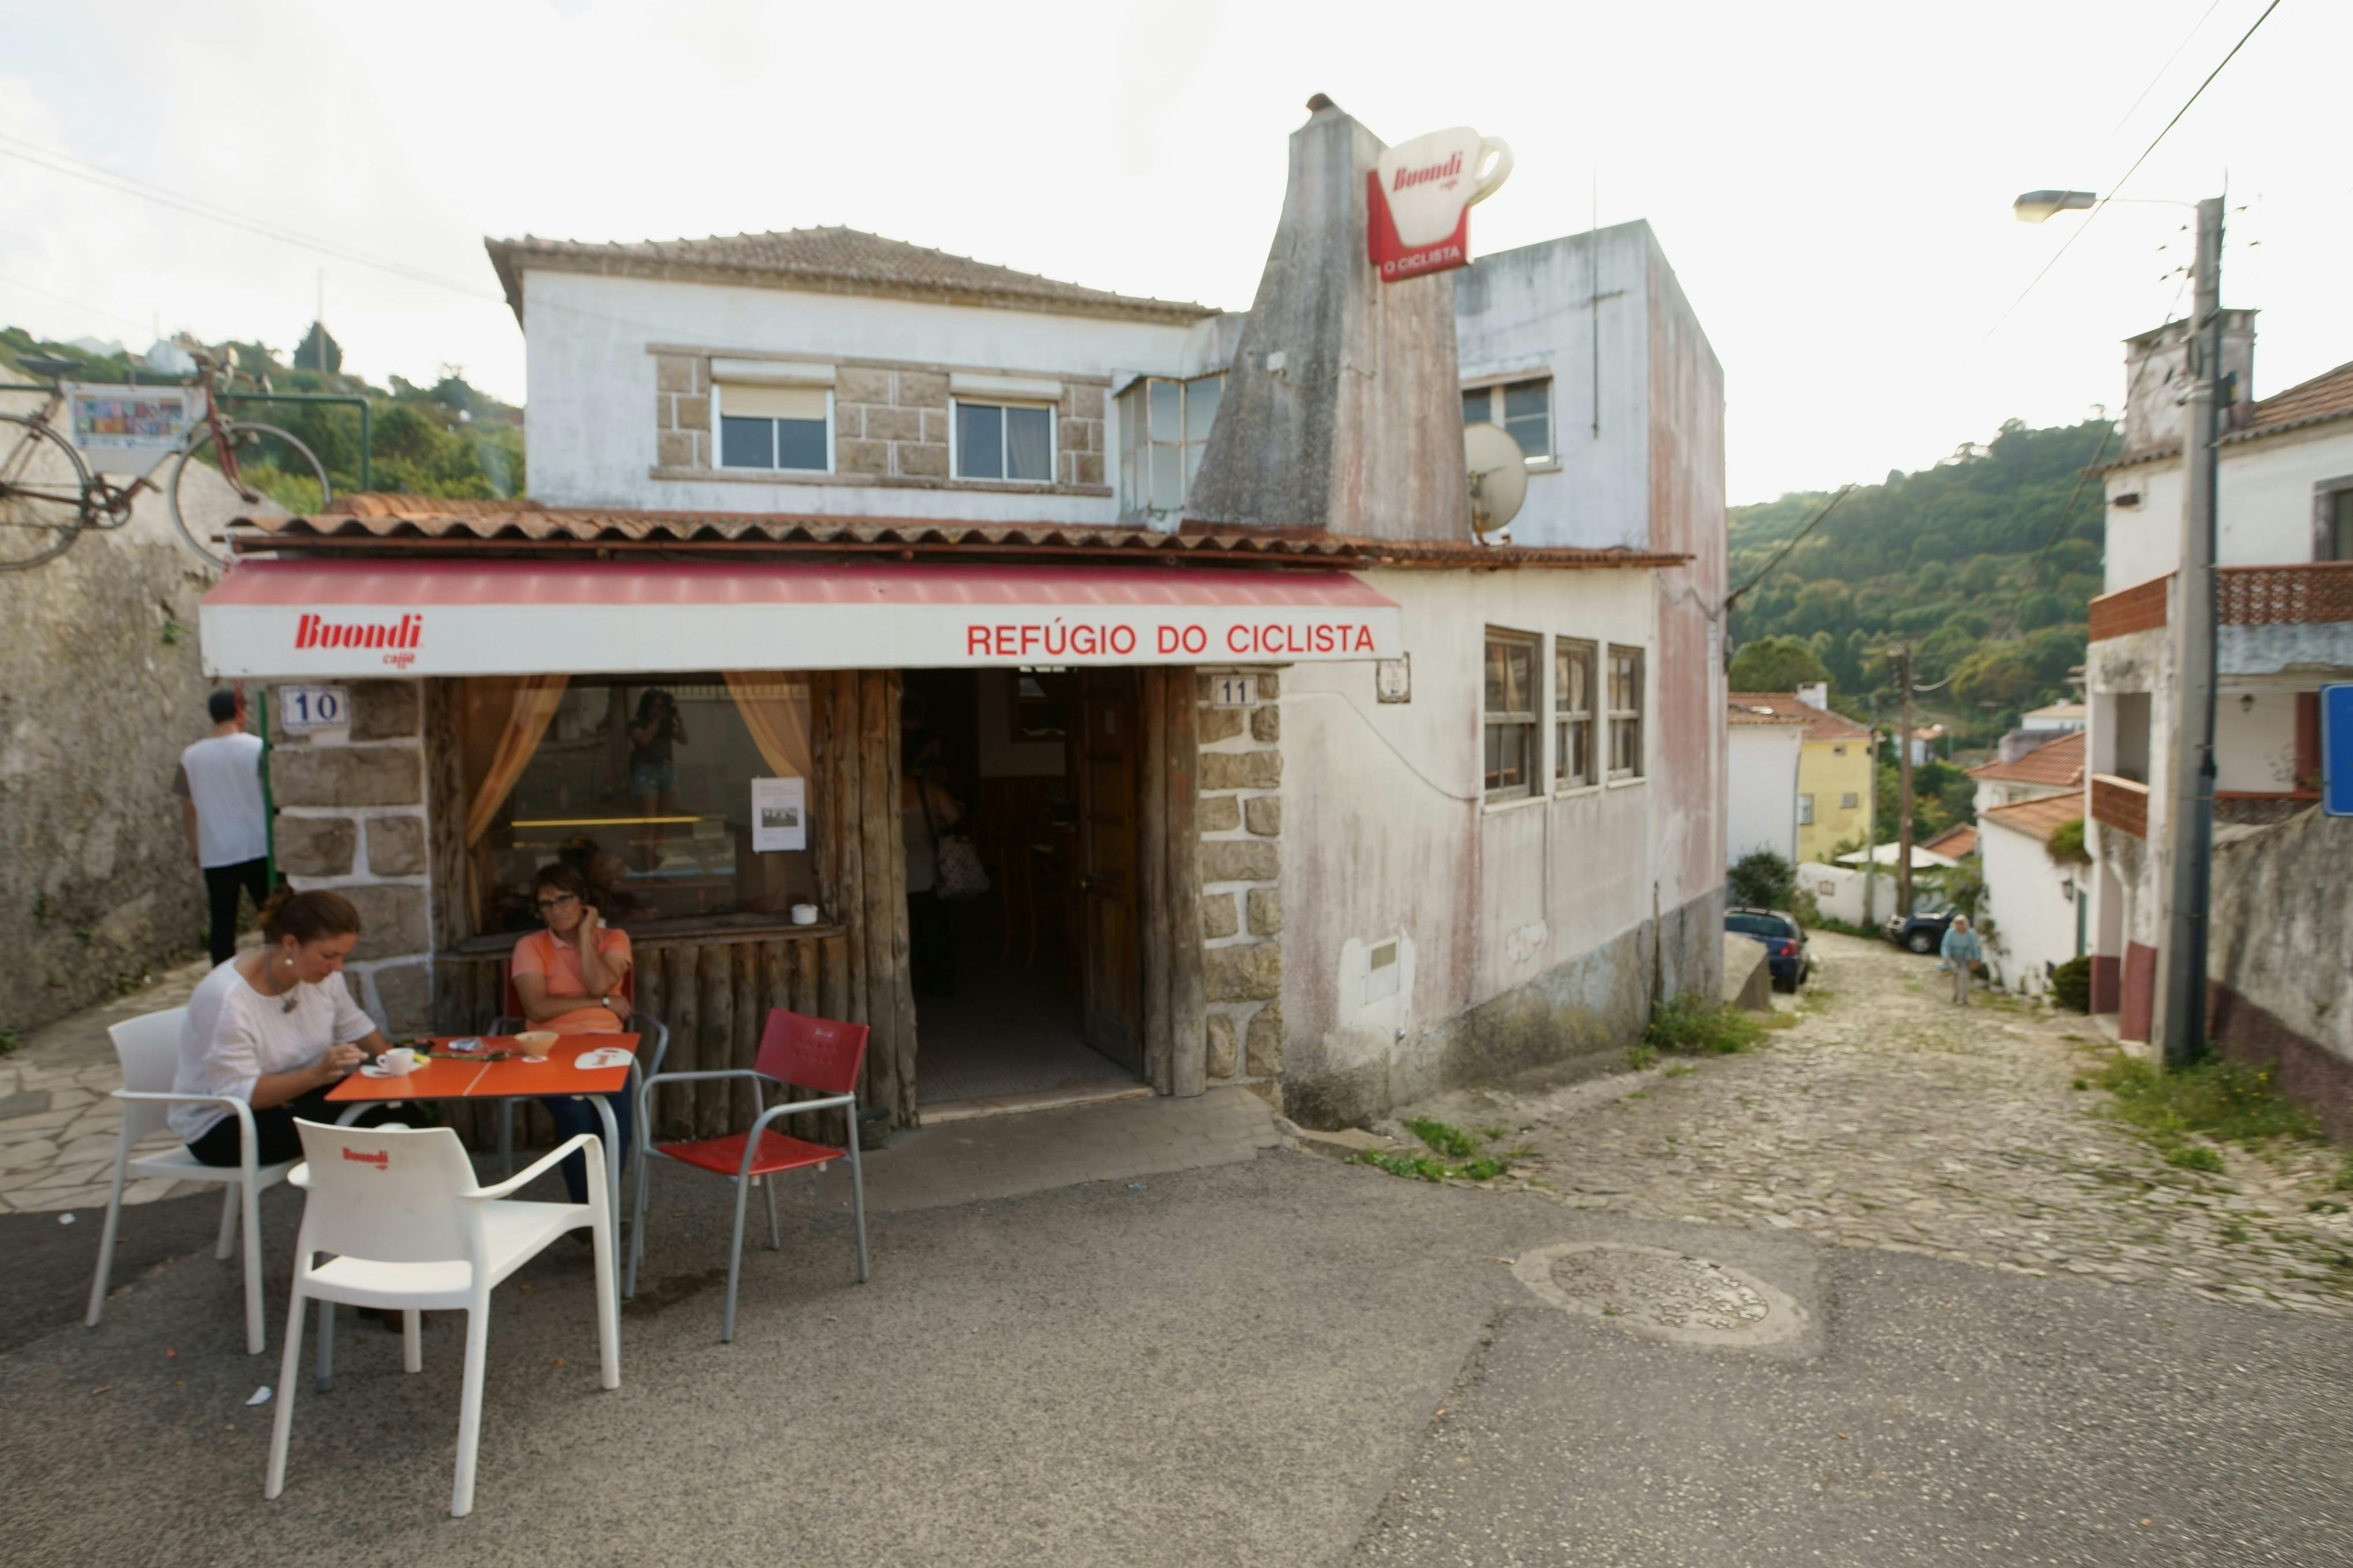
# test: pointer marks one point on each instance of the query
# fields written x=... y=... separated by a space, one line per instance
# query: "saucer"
x=373 y=1070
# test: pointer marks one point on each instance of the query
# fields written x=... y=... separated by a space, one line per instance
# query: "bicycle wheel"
x=43 y=492
x=273 y=473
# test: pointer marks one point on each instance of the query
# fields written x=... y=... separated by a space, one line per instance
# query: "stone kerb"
x=350 y=817
x=1239 y=820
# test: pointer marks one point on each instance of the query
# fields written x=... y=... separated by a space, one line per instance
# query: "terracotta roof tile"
x=2059 y=761
x=2326 y=396
x=830 y=260
x=1957 y=842
x=382 y=524
x=1739 y=712
x=2036 y=819
x=1820 y=726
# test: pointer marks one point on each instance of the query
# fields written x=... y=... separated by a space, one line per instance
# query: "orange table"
x=455 y=1077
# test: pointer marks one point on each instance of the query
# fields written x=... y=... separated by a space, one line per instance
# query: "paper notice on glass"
x=779 y=814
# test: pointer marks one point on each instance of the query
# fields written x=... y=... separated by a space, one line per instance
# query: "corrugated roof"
x=1957 y=842
x=1820 y=725
x=830 y=260
x=2059 y=761
x=385 y=523
x=2036 y=819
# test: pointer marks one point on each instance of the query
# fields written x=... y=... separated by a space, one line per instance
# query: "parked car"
x=1921 y=930
x=1784 y=940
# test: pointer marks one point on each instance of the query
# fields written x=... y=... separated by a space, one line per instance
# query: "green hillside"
x=1967 y=562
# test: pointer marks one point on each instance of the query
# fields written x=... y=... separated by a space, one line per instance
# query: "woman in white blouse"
x=276 y=1027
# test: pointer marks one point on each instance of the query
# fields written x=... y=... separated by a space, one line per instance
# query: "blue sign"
x=2336 y=750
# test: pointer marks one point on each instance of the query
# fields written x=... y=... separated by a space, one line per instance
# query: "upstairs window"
x=1510 y=715
x=1005 y=441
x=1163 y=429
x=2336 y=533
x=1625 y=714
x=788 y=427
x=1521 y=407
x=1572 y=714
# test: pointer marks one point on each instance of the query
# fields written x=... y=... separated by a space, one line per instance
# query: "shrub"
x=2065 y=844
x=2225 y=1101
x=2071 y=984
x=1761 y=879
x=1690 y=1026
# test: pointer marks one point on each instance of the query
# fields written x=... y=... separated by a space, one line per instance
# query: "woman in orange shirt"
x=569 y=978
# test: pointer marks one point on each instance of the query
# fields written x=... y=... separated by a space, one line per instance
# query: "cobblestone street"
x=1887 y=1118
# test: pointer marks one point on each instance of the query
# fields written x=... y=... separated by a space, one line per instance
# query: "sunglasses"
x=558 y=901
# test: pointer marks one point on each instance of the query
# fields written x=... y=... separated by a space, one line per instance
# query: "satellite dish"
x=1499 y=478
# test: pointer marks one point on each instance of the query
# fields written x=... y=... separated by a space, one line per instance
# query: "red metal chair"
x=796 y=1052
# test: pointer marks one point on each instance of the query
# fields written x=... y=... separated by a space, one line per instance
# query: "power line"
x=2101 y=205
x=2159 y=77
x=1732 y=598
x=2082 y=477
x=77 y=304
x=65 y=164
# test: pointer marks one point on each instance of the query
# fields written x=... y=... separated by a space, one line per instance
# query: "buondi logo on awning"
x=399 y=638
x=1419 y=198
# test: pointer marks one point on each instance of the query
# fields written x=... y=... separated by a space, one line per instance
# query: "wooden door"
x=1110 y=965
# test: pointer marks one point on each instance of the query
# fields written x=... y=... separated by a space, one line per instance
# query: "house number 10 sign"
x=313 y=710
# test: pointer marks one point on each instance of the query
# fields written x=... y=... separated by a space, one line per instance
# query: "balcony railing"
x=2300 y=595
x=2120 y=802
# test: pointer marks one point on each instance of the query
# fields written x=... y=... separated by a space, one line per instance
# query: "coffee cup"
x=398 y=1062
x=536 y=1044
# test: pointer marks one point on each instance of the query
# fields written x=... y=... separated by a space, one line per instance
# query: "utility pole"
x=2181 y=1021
x=1903 y=786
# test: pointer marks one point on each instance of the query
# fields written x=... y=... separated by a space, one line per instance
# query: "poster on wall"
x=779 y=814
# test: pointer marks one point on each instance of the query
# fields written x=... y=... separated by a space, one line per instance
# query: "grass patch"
x=2218 y=1101
x=1689 y=1027
x=2344 y=1183
x=1442 y=1137
x=1421 y=1167
x=1775 y=1021
x=1641 y=1057
x=1680 y=1069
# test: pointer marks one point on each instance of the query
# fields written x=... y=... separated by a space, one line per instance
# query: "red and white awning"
x=274 y=618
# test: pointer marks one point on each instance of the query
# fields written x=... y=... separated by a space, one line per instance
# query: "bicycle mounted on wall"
x=48 y=494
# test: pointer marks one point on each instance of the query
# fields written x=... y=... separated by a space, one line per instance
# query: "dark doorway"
x=1028 y=994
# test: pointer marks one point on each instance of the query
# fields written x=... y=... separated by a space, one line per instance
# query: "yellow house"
x=1834 y=770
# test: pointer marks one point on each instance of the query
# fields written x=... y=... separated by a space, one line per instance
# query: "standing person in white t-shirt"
x=219 y=787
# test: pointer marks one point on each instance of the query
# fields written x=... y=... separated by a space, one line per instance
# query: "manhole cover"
x=1661 y=1294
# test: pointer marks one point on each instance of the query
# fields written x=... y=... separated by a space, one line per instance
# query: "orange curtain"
x=777 y=715
x=529 y=707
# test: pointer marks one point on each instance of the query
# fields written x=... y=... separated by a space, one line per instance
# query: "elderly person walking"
x=1960 y=951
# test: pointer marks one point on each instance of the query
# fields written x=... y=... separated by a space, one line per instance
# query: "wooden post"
x=847 y=774
x=677 y=1103
x=714 y=1102
x=1189 y=1006
x=879 y=825
x=833 y=978
x=1154 y=904
x=751 y=1013
x=903 y=981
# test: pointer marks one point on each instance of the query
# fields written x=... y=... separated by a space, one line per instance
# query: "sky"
x=1831 y=182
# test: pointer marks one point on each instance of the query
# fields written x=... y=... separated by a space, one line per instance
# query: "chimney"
x=2158 y=371
x=1343 y=410
x=1815 y=694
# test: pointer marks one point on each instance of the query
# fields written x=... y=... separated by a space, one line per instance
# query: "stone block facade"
x=890 y=427
x=1239 y=821
x=350 y=817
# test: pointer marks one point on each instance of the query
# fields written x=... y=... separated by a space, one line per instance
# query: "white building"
x=2031 y=897
x=2284 y=598
x=1762 y=756
x=1286 y=780
x=2055 y=766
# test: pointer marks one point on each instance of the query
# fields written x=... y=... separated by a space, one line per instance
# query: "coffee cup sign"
x=1419 y=195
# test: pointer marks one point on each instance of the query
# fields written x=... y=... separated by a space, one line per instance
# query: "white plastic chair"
x=413 y=1231
x=149 y=1050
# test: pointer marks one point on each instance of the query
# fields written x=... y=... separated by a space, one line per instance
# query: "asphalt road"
x=1244 y=1364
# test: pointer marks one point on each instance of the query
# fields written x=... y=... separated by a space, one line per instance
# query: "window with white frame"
x=1521 y=407
x=1625 y=714
x=1005 y=441
x=1163 y=429
x=775 y=427
x=1510 y=715
x=1805 y=811
x=1573 y=689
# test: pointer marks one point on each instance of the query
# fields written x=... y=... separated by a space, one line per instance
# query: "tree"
x=1776 y=664
x=1995 y=675
x=1761 y=879
x=318 y=351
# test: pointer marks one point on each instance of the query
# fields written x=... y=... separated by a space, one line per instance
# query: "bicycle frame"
x=114 y=500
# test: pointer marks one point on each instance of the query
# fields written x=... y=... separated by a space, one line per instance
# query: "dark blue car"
x=1784 y=940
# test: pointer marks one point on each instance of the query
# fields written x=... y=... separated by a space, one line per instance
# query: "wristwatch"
x=611 y=1005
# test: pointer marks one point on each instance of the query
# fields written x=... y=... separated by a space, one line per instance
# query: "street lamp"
x=2188 y=864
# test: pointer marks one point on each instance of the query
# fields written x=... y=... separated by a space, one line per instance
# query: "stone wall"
x=2279 y=964
x=890 y=426
x=1239 y=818
x=351 y=817
x=101 y=685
